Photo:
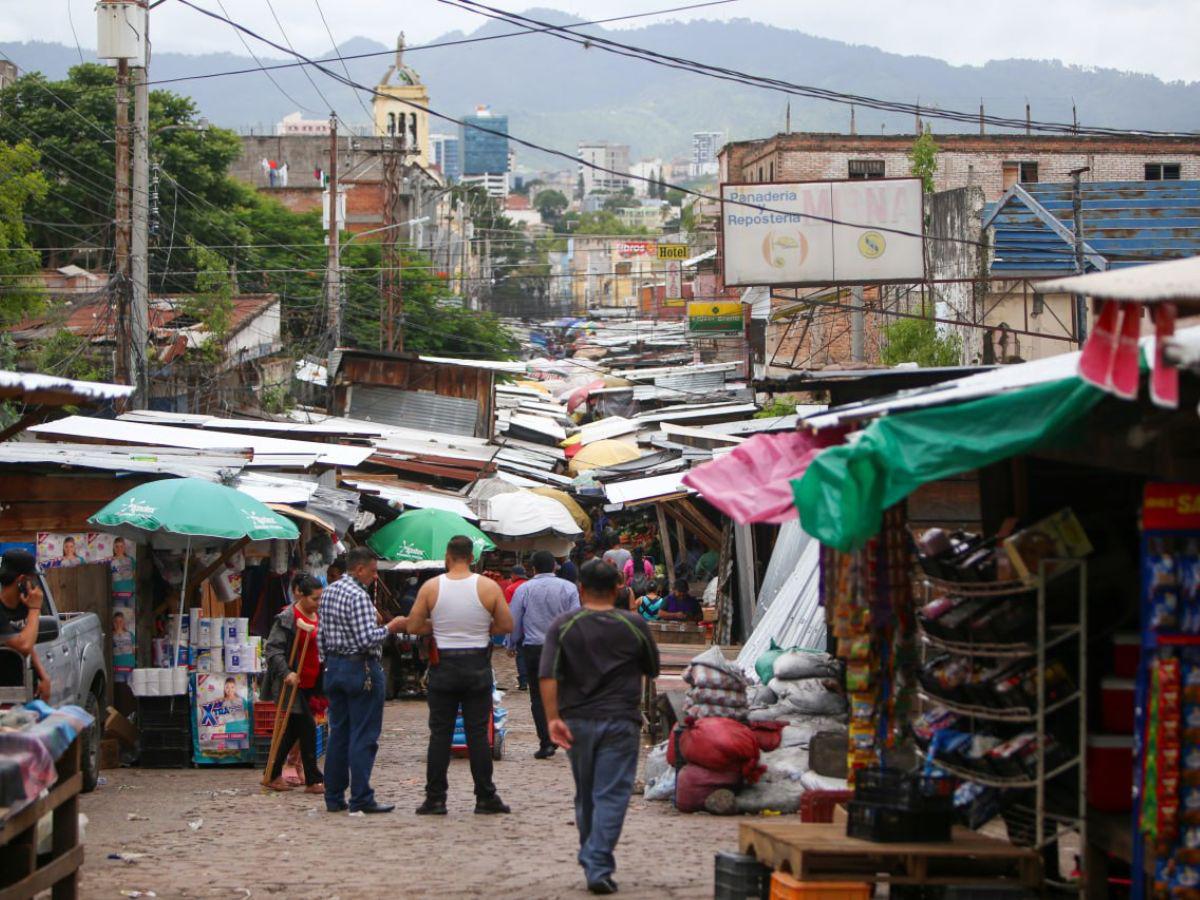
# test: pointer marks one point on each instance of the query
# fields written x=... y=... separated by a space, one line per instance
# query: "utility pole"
x=1080 y=305
x=122 y=363
x=391 y=289
x=333 y=273
x=857 y=326
x=139 y=317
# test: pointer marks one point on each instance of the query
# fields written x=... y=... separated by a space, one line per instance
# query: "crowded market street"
x=253 y=844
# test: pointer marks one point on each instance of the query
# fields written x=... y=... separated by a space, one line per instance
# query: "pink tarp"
x=754 y=482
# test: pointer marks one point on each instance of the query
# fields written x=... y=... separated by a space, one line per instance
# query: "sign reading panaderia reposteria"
x=823 y=232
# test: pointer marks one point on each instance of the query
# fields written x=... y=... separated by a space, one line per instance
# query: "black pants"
x=533 y=659
x=456 y=681
x=302 y=728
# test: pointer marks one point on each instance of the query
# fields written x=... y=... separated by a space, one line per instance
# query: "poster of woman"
x=222 y=714
x=61 y=551
x=124 y=646
x=121 y=566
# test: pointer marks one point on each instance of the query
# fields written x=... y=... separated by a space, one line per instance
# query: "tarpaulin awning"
x=753 y=482
x=843 y=493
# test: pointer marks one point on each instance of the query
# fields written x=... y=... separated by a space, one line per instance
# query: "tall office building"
x=485 y=153
x=603 y=166
x=705 y=147
x=446 y=155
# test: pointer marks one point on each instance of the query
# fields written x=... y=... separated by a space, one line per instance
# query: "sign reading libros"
x=819 y=233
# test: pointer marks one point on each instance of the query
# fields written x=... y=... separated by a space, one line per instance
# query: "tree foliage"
x=922 y=159
x=21 y=185
x=917 y=340
x=551 y=204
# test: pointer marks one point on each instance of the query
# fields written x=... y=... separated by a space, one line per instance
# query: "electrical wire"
x=261 y=68
x=288 y=41
x=338 y=55
x=726 y=74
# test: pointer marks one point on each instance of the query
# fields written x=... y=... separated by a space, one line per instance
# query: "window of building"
x=1162 y=171
x=1019 y=172
x=771 y=171
x=760 y=173
x=866 y=168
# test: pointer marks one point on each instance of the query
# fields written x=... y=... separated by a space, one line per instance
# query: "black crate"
x=904 y=790
x=889 y=825
x=166 y=759
x=738 y=877
x=171 y=712
x=165 y=739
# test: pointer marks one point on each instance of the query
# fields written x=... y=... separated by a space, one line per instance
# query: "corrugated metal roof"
x=641 y=489
x=267 y=450
x=514 y=368
x=34 y=388
x=415 y=409
x=147 y=460
x=1178 y=279
x=1125 y=223
x=409 y=498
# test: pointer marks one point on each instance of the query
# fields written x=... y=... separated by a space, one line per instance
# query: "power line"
x=337 y=53
x=726 y=74
x=288 y=41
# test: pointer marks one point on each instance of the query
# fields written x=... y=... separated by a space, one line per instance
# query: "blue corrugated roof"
x=1125 y=223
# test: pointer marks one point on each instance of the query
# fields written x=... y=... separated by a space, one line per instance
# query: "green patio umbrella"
x=422 y=534
x=174 y=512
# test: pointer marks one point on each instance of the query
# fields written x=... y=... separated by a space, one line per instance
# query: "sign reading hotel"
x=819 y=233
x=672 y=251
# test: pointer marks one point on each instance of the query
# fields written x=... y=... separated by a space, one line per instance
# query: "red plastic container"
x=264 y=718
x=1110 y=772
x=1116 y=706
x=1127 y=650
x=818 y=806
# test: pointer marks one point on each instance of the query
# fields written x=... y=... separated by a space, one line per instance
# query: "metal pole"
x=1080 y=304
x=333 y=275
x=857 y=325
x=121 y=366
x=140 y=254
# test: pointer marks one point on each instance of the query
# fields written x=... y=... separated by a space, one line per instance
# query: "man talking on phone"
x=20 y=608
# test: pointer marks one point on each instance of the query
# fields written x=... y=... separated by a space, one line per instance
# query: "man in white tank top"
x=462 y=611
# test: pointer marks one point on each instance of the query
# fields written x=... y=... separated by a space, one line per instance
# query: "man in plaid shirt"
x=350 y=640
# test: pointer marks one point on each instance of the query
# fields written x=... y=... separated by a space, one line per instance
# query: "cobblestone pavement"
x=255 y=845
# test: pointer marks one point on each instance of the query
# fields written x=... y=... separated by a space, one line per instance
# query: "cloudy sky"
x=1153 y=36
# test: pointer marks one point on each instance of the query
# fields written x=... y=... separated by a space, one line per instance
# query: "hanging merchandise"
x=1167 y=719
x=868 y=598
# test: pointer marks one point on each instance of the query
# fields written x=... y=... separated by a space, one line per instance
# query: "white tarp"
x=521 y=515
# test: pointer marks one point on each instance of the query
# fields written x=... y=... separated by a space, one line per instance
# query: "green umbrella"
x=186 y=508
x=422 y=534
x=174 y=511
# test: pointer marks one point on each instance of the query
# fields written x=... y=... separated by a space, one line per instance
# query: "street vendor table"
x=822 y=852
x=20 y=874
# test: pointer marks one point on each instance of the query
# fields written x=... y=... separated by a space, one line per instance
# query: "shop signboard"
x=674 y=287
x=714 y=318
x=627 y=249
x=823 y=232
x=673 y=251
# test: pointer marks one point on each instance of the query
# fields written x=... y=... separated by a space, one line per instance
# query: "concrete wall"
x=957 y=214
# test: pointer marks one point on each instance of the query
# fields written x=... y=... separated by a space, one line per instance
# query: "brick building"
x=993 y=162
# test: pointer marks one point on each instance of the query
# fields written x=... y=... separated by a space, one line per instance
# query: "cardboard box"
x=110 y=754
x=1059 y=536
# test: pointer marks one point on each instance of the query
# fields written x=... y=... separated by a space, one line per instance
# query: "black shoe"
x=545 y=752
x=604 y=886
x=374 y=808
x=335 y=807
x=522 y=687
x=432 y=808
x=491 y=807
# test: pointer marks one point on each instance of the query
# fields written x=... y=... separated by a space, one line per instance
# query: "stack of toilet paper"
x=159 y=682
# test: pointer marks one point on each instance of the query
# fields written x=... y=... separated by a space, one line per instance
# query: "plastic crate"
x=737 y=876
x=785 y=887
x=903 y=790
x=818 y=806
x=166 y=759
x=264 y=718
x=889 y=824
x=164 y=712
x=165 y=739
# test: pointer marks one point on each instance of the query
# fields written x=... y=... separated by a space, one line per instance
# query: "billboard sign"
x=714 y=318
x=626 y=249
x=823 y=232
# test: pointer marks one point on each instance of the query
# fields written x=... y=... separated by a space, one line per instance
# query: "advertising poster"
x=61 y=551
x=124 y=644
x=223 y=717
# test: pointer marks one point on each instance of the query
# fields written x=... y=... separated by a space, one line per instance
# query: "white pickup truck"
x=71 y=648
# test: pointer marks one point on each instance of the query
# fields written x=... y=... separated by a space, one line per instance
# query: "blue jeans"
x=355 y=720
x=604 y=758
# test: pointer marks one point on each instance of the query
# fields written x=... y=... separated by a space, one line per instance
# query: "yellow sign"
x=871 y=245
x=714 y=317
x=672 y=251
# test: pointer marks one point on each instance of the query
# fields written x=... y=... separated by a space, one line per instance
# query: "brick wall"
x=964 y=160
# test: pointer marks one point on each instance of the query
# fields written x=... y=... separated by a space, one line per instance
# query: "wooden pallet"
x=821 y=852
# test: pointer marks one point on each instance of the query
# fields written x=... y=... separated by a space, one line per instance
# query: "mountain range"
x=557 y=93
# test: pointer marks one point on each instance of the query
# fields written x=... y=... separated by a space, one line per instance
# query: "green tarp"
x=842 y=494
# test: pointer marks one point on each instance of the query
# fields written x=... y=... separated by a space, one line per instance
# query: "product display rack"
x=1048 y=637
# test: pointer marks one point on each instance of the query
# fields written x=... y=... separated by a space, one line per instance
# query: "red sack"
x=722 y=745
x=768 y=734
x=694 y=783
x=675 y=757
